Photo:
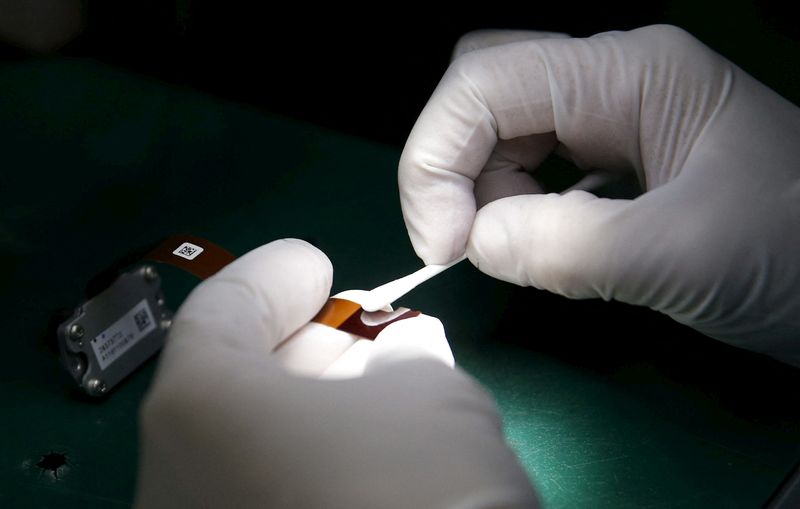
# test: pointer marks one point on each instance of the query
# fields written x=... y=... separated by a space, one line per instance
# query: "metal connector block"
x=112 y=334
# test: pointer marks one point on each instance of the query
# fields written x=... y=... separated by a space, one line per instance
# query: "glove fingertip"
x=422 y=337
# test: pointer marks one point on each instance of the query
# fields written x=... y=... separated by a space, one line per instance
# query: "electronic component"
x=113 y=333
x=124 y=323
x=126 y=320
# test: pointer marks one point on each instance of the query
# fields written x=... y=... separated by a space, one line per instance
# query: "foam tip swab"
x=382 y=296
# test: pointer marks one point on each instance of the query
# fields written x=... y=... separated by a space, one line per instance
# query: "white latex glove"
x=714 y=240
x=224 y=425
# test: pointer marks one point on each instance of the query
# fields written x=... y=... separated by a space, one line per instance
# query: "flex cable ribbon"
x=203 y=258
x=349 y=317
x=195 y=255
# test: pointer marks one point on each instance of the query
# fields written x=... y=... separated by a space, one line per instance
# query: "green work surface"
x=606 y=405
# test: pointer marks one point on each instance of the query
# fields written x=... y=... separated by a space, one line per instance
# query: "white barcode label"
x=110 y=344
x=188 y=250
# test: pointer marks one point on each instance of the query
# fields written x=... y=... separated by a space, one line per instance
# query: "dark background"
x=368 y=71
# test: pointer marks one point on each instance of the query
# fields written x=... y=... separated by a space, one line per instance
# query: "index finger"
x=484 y=96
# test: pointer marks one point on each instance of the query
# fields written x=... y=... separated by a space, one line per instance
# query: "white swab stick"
x=385 y=294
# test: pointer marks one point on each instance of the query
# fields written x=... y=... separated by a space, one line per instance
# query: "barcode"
x=122 y=335
x=187 y=251
x=142 y=319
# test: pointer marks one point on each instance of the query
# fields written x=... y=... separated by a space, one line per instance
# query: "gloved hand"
x=224 y=425
x=713 y=241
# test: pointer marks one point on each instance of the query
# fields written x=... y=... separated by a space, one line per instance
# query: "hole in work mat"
x=52 y=462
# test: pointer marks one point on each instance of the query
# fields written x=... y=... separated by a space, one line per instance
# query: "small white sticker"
x=188 y=250
x=110 y=344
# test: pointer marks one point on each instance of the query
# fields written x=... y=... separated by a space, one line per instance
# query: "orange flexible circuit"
x=195 y=255
x=204 y=259
x=348 y=316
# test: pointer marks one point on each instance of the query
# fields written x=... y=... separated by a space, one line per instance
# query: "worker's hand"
x=713 y=241
x=224 y=425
